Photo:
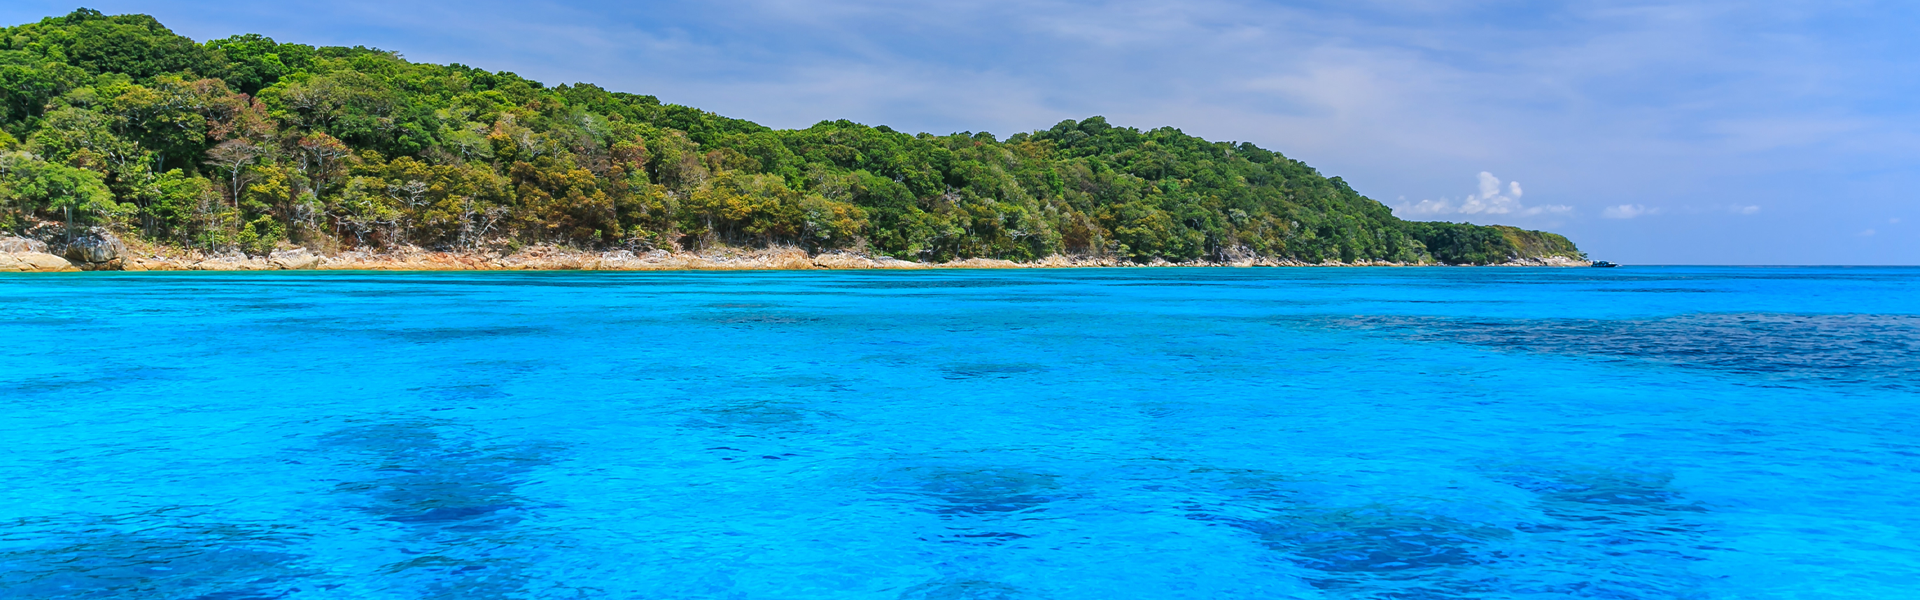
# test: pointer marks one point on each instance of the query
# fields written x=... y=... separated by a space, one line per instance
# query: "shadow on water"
x=965 y=589
x=754 y=416
x=1856 y=349
x=745 y=315
x=978 y=508
x=1584 y=532
x=153 y=556
x=428 y=480
x=986 y=491
x=451 y=334
x=1597 y=494
x=453 y=395
x=1382 y=552
x=979 y=370
x=1638 y=535
x=456 y=501
x=936 y=282
x=975 y=506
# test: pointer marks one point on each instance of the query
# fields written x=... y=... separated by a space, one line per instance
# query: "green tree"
x=256 y=61
x=28 y=184
x=136 y=45
x=333 y=146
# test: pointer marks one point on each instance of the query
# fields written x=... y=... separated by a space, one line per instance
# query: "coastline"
x=555 y=259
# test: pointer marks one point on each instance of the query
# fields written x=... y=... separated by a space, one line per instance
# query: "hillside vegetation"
x=246 y=143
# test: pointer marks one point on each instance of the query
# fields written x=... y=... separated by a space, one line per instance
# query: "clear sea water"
x=963 y=435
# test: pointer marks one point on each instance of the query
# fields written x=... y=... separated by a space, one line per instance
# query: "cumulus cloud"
x=1628 y=211
x=1492 y=200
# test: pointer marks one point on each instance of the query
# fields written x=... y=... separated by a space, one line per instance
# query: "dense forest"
x=245 y=143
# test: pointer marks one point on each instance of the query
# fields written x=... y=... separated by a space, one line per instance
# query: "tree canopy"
x=246 y=142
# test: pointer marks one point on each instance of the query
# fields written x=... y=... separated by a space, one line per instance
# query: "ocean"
x=1640 y=432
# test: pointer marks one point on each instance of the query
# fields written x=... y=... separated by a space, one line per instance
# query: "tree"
x=234 y=155
x=136 y=45
x=27 y=83
x=255 y=61
x=85 y=138
x=346 y=104
x=177 y=118
x=176 y=205
x=326 y=143
x=362 y=210
x=320 y=156
x=28 y=183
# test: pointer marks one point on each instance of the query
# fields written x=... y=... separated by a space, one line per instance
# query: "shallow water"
x=963 y=435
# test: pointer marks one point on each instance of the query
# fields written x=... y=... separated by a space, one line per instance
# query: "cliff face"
x=247 y=145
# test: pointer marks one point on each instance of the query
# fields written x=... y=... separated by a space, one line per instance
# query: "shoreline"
x=554 y=259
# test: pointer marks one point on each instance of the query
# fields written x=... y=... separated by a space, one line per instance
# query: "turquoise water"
x=963 y=435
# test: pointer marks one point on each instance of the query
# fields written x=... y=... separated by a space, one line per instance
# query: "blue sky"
x=1649 y=132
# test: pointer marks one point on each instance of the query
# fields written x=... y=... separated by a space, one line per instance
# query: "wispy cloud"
x=1492 y=200
x=1629 y=211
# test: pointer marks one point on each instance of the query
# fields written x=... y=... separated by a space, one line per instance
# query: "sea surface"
x=1641 y=432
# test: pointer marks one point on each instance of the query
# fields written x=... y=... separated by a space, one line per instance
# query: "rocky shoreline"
x=106 y=253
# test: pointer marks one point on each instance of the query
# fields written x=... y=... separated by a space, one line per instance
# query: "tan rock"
x=233 y=263
x=982 y=263
x=157 y=263
x=34 y=262
x=841 y=260
x=14 y=244
x=1550 y=261
x=295 y=259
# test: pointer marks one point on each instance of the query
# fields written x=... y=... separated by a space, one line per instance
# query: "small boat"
x=1604 y=264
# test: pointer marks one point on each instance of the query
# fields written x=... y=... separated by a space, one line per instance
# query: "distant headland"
x=124 y=146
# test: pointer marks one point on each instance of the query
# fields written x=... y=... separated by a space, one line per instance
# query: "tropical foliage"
x=248 y=143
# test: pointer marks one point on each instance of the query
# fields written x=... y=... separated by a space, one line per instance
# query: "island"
x=124 y=146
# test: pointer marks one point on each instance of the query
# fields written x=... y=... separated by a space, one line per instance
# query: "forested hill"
x=247 y=143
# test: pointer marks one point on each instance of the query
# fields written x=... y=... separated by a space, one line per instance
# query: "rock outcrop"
x=99 y=250
x=33 y=262
x=236 y=261
x=26 y=255
x=14 y=245
x=96 y=250
x=295 y=259
x=1547 y=261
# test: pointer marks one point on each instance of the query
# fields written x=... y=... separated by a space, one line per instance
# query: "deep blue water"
x=963 y=435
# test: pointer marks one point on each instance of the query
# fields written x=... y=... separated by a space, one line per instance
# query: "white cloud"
x=1490 y=201
x=1867 y=233
x=1894 y=221
x=1716 y=209
x=1628 y=211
